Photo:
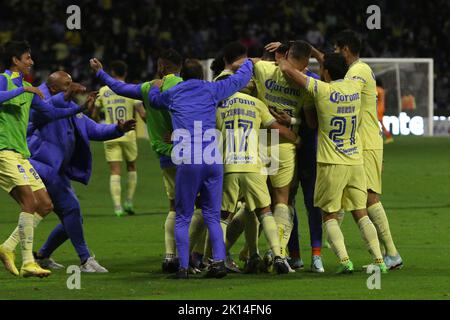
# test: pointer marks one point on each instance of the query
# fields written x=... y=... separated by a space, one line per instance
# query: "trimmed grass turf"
x=416 y=198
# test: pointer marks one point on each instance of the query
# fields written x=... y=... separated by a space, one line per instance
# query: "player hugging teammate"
x=329 y=144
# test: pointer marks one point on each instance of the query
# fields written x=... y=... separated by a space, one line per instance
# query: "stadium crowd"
x=137 y=31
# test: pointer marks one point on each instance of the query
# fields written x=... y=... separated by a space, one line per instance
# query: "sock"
x=197 y=232
x=340 y=217
x=316 y=251
x=270 y=229
x=207 y=252
x=26 y=233
x=336 y=239
x=294 y=243
x=199 y=247
x=236 y=227
x=169 y=234
x=224 y=225
x=378 y=216
x=14 y=239
x=251 y=233
x=131 y=185
x=284 y=219
x=369 y=235
x=115 y=187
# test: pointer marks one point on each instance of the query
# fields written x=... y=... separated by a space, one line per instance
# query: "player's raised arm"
x=224 y=88
x=285 y=133
x=319 y=56
x=6 y=95
x=297 y=76
x=46 y=112
x=132 y=91
x=158 y=99
x=140 y=109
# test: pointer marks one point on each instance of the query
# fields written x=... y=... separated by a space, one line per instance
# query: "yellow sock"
x=270 y=229
x=284 y=219
x=14 y=239
x=336 y=239
x=115 y=187
x=369 y=235
x=208 y=248
x=378 y=216
x=169 y=234
x=131 y=185
x=224 y=225
x=251 y=233
x=236 y=227
x=26 y=234
x=340 y=217
x=197 y=232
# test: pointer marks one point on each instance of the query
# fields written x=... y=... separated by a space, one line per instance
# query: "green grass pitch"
x=416 y=197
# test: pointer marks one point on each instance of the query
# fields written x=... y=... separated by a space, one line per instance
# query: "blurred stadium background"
x=416 y=169
x=136 y=31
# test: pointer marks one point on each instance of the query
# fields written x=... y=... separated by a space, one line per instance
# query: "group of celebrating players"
x=330 y=144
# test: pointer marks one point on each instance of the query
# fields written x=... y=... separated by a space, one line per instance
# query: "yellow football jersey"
x=116 y=108
x=369 y=128
x=239 y=118
x=338 y=107
x=279 y=93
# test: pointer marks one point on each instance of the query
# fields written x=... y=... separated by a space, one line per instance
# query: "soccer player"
x=60 y=152
x=17 y=175
x=279 y=94
x=341 y=179
x=193 y=104
x=116 y=108
x=159 y=124
x=239 y=118
x=348 y=44
x=306 y=176
x=381 y=109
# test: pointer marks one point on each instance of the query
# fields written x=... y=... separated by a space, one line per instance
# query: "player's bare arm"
x=295 y=75
x=285 y=133
x=34 y=90
x=139 y=109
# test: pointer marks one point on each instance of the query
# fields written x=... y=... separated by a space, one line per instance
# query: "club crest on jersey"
x=336 y=97
x=80 y=115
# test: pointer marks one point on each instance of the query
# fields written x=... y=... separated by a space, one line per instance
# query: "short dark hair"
x=192 y=69
x=336 y=65
x=172 y=56
x=13 y=49
x=350 y=39
x=119 y=67
x=300 y=49
x=282 y=49
x=218 y=64
x=232 y=51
